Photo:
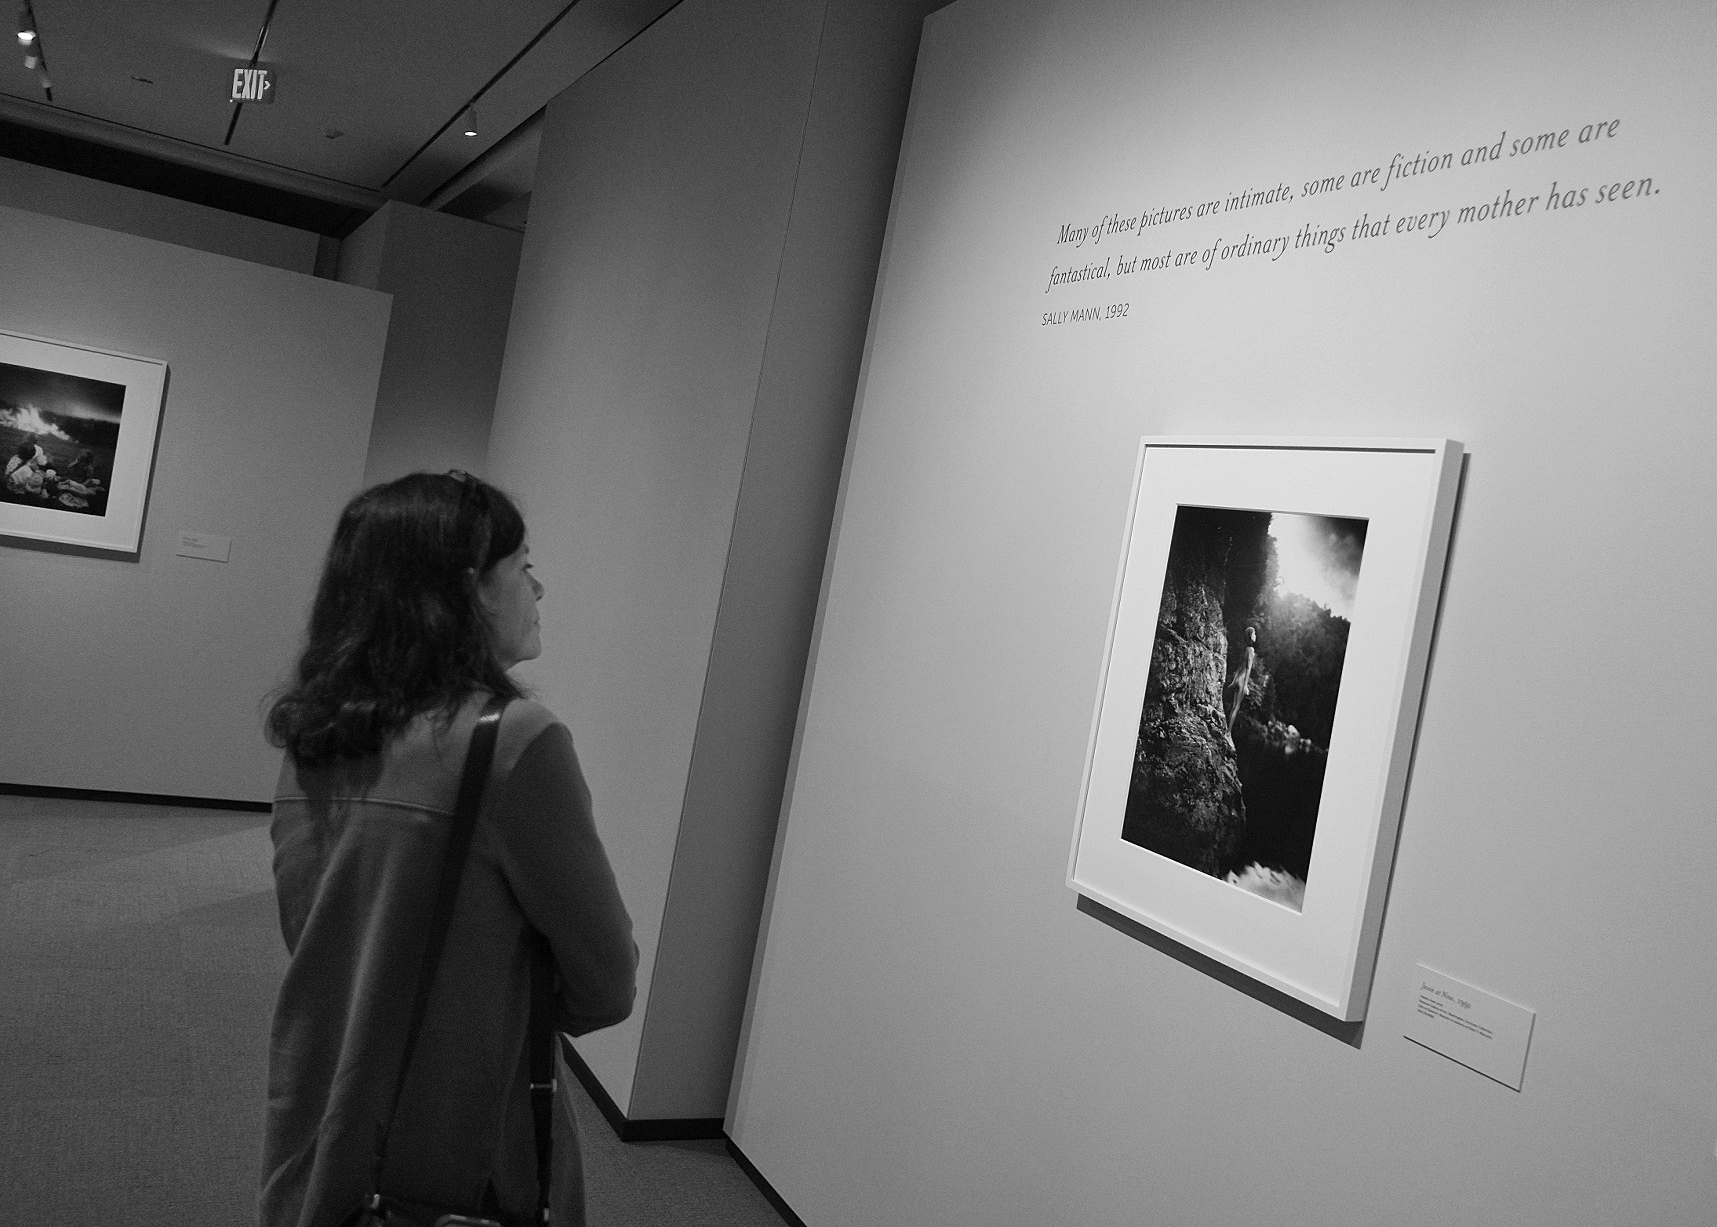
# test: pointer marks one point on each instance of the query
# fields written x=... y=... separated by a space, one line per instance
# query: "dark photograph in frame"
x=59 y=434
x=78 y=427
x=1245 y=674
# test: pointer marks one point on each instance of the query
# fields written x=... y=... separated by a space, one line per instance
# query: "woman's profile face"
x=509 y=593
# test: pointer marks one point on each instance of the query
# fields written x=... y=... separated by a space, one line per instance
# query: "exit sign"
x=253 y=85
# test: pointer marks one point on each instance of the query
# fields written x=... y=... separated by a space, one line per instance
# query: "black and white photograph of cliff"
x=1241 y=697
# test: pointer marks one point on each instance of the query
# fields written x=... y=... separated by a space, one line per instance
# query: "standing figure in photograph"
x=426 y=601
x=1241 y=683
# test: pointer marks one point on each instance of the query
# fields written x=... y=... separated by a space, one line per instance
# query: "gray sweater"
x=357 y=853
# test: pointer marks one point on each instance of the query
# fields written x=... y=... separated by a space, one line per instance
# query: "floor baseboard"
x=137 y=798
x=669 y=1130
x=764 y=1187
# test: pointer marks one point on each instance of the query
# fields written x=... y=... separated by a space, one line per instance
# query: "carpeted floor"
x=139 y=959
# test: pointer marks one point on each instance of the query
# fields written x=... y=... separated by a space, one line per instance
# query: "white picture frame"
x=1319 y=949
x=91 y=417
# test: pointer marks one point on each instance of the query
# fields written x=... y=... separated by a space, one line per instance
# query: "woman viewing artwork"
x=425 y=601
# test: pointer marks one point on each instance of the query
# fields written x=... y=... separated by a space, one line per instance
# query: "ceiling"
x=368 y=102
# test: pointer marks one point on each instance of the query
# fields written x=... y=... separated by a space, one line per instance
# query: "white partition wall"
x=149 y=674
x=937 y=1034
x=685 y=340
x=451 y=280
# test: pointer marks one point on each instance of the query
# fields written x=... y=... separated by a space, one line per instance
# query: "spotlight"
x=470 y=121
x=31 y=42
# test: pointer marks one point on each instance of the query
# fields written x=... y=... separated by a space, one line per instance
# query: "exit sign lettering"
x=253 y=85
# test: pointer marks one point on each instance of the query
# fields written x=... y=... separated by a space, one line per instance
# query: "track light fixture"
x=468 y=122
x=30 y=39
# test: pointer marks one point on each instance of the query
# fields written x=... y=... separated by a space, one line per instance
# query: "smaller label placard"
x=204 y=545
x=1468 y=1025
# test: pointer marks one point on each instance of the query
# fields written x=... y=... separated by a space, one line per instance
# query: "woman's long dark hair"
x=396 y=629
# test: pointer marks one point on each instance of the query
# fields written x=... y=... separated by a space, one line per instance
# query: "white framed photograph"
x=77 y=432
x=1266 y=655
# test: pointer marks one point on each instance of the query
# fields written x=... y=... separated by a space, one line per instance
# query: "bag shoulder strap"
x=471 y=781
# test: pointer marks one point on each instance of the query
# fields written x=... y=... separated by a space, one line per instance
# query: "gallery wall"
x=937 y=1033
x=686 y=336
x=147 y=674
x=451 y=280
x=76 y=198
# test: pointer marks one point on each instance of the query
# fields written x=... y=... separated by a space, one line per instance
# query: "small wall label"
x=1468 y=1025
x=204 y=545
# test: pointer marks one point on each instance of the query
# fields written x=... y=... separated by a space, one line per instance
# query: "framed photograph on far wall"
x=1266 y=655
x=77 y=433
